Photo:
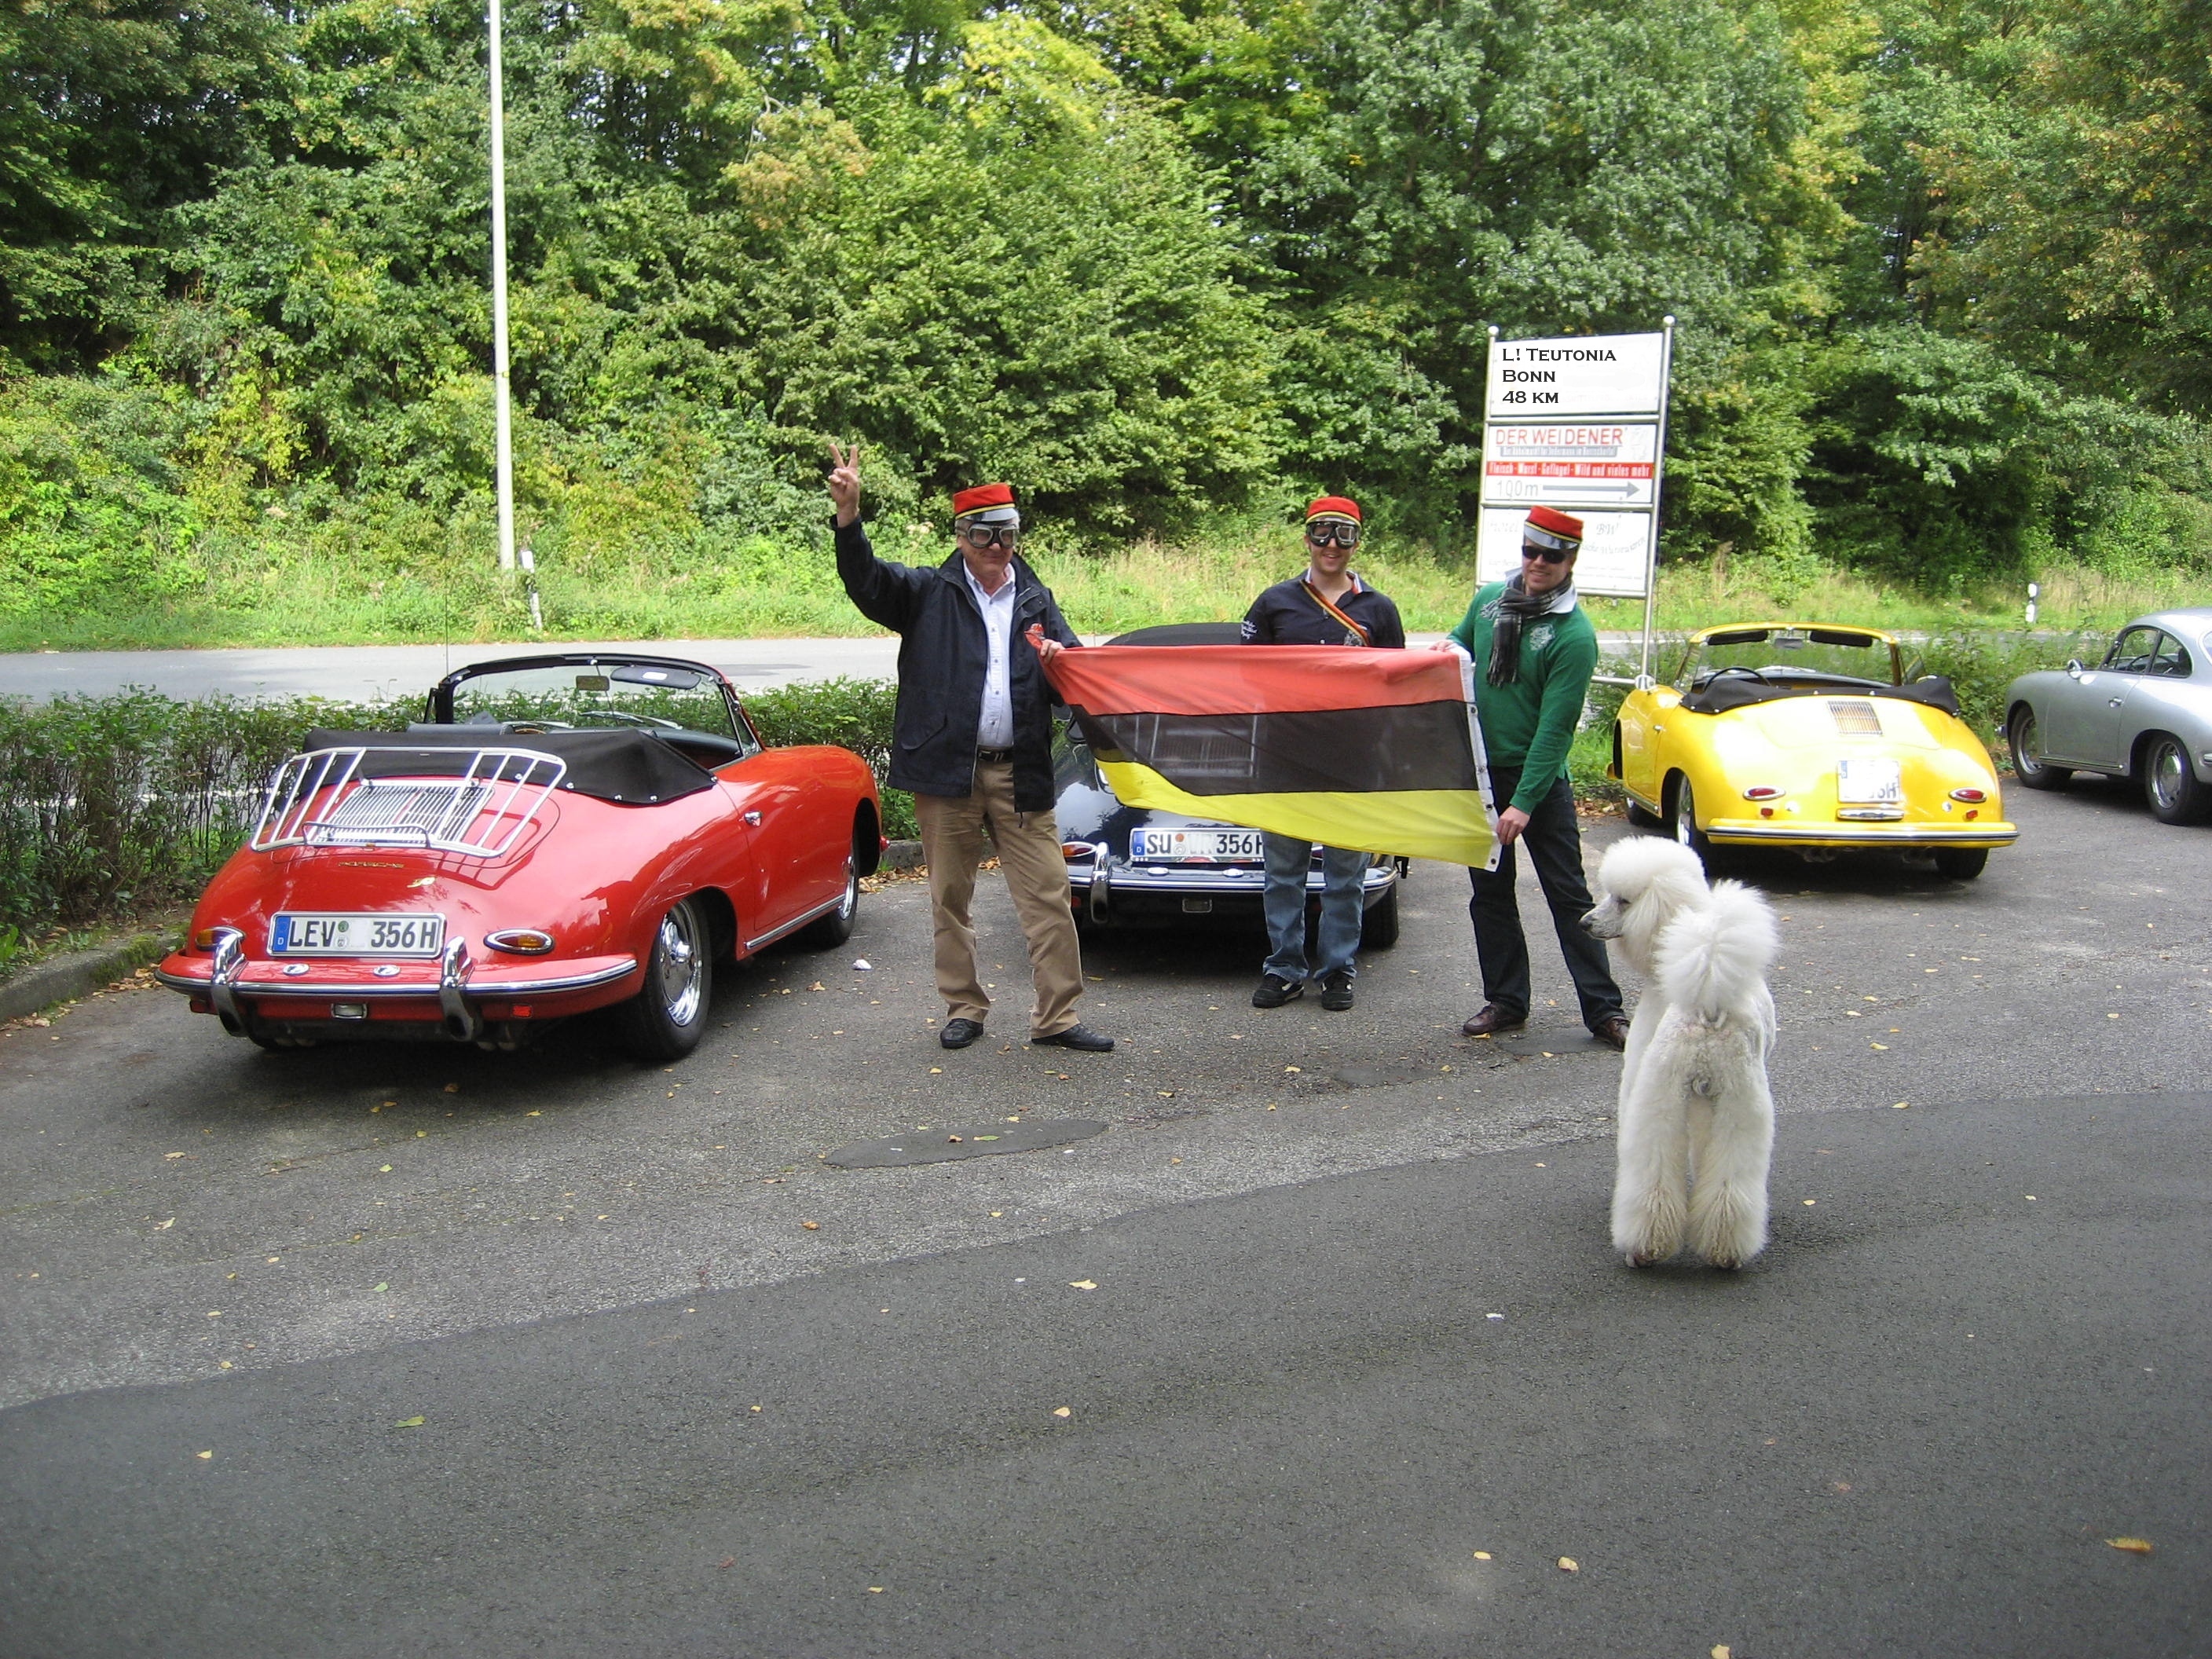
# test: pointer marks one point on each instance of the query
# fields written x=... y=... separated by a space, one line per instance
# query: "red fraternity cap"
x=1554 y=528
x=1334 y=507
x=981 y=498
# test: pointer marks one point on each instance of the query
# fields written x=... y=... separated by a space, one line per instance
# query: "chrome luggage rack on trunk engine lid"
x=319 y=798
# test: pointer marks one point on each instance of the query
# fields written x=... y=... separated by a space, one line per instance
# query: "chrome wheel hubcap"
x=680 y=965
x=2166 y=774
x=852 y=892
x=1686 y=814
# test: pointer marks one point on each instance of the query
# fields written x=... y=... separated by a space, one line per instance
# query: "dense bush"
x=113 y=805
x=1939 y=271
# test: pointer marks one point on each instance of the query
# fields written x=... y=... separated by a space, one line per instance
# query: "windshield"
x=596 y=696
x=1784 y=656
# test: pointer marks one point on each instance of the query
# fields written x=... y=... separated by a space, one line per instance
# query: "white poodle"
x=1694 y=1090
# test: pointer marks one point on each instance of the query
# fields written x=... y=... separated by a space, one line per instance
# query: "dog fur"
x=1696 y=1116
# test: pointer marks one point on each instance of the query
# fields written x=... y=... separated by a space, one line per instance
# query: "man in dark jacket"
x=973 y=740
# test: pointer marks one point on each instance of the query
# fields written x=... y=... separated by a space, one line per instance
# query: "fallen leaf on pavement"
x=204 y=1454
x=1482 y=1555
x=409 y=1423
x=1062 y=1411
x=452 y=1088
x=381 y=1287
x=172 y=1155
x=1568 y=1564
x=812 y=1226
x=953 y=1140
x=164 y=1226
x=2132 y=1545
x=727 y=1561
x=1082 y=1283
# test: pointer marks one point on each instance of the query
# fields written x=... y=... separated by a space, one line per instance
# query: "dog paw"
x=1638 y=1259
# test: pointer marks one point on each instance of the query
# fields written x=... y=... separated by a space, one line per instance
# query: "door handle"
x=1655 y=726
x=753 y=818
x=2114 y=703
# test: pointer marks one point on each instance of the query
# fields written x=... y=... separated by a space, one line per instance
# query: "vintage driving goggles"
x=1322 y=532
x=992 y=535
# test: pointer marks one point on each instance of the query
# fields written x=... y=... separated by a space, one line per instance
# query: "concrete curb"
x=81 y=971
x=902 y=855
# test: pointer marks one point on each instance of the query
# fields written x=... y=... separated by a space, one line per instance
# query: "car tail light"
x=208 y=937
x=1973 y=797
x=1076 y=849
x=520 y=941
x=1762 y=791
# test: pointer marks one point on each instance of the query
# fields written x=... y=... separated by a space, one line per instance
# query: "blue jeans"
x=1343 y=872
x=1555 y=846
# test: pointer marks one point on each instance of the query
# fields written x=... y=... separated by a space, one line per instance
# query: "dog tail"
x=1713 y=959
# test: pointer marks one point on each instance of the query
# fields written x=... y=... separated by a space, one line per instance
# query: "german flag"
x=1372 y=750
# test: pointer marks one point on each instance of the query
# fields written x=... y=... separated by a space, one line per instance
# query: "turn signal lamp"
x=1972 y=797
x=1762 y=791
x=520 y=941
x=208 y=937
x=1075 y=849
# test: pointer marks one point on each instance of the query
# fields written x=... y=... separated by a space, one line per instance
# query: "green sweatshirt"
x=1530 y=723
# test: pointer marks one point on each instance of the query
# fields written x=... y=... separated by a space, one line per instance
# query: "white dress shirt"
x=996 y=730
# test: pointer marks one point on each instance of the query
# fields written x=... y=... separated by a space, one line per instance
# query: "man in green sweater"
x=1535 y=652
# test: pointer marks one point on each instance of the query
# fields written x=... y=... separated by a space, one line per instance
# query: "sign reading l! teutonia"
x=1579 y=424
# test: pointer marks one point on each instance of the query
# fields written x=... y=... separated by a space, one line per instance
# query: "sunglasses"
x=1547 y=554
x=1343 y=535
x=992 y=535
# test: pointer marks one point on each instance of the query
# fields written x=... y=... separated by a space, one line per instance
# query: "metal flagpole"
x=1658 y=468
x=502 y=425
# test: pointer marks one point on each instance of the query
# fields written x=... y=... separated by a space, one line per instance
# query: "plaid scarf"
x=1515 y=607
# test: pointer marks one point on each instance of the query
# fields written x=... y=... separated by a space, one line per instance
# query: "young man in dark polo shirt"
x=1323 y=605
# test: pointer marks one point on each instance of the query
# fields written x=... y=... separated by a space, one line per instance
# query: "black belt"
x=994 y=755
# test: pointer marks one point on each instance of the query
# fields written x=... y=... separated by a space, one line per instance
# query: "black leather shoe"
x=1611 y=1030
x=1336 y=990
x=959 y=1033
x=1273 y=991
x=1494 y=1021
x=1081 y=1038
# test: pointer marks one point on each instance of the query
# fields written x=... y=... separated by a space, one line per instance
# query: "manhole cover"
x=942 y=1146
x=1374 y=1077
x=1556 y=1043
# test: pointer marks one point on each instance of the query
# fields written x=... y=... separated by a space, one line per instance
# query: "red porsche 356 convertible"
x=562 y=833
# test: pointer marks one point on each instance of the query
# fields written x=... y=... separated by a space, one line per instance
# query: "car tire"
x=2170 y=784
x=1643 y=818
x=1961 y=863
x=2028 y=762
x=833 y=929
x=1682 y=820
x=668 y=1016
x=1378 y=922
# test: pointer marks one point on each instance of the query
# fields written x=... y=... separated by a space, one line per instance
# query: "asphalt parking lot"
x=1290 y=1420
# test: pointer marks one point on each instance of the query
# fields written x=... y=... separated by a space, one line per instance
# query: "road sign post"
x=1579 y=423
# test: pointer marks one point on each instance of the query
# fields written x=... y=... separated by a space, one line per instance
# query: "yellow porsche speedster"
x=1806 y=736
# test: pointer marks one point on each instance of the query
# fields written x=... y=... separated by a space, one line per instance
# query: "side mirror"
x=2074 y=666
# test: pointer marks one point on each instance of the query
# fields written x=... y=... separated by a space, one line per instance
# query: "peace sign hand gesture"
x=844 y=480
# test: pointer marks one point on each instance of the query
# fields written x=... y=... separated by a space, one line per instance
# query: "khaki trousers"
x=953 y=830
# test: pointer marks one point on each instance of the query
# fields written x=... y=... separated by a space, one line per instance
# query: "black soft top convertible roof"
x=1725 y=691
x=637 y=769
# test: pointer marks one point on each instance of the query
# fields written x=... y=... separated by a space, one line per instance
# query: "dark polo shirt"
x=1287 y=614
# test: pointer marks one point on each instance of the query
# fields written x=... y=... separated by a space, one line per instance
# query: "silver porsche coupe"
x=2144 y=713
